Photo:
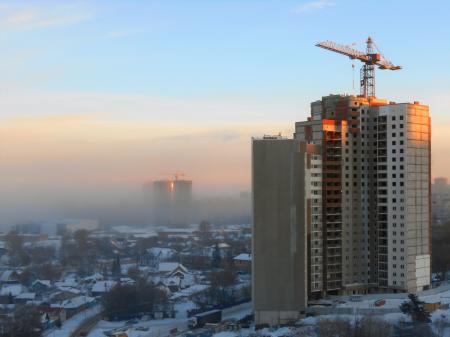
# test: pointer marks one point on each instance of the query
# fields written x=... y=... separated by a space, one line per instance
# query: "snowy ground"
x=182 y=308
x=152 y=328
x=160 y=328
x=73 y=323
x=394 y=300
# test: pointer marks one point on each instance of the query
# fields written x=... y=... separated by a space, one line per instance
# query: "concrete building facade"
x=281 y=171
x=369 y=196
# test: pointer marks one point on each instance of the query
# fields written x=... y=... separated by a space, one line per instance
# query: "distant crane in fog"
x=176 y=175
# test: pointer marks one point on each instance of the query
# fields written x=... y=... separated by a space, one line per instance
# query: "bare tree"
x=26 y=322
x=359 y=327
x=334 y=328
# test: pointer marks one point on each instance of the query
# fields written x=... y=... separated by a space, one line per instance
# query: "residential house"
x=243 y=261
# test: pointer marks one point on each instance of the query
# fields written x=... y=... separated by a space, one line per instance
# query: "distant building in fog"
x=56 y=227
x=171 y=201
x=441 y=201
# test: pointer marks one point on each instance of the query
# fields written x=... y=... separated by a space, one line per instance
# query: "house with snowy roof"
x=101 y=287
x=25 y=298
x=41 y=286
x=243 y=261
x=75 y=305
x=9 y=276
x=9 y=291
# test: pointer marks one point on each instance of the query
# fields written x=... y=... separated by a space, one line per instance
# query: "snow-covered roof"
x=127 y=280
x=163 y=252
x=184 y=282
x=70 y=290
x=26 y=296
x=221 y=245
x=7 y=275
x=167 y=267
x=94 y=277
x=12 y=289
x=55 y=243
x=178 y=230
x=137 y=232
x=243 y=257
x=45 y=283
x=74 y=303
x=103 y=286
x=68 y=282
x=194 y=289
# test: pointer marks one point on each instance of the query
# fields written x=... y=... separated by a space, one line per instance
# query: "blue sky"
x=97 y=97
x=244 y=51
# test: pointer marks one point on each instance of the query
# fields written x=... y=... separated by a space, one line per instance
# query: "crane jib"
x=370 y=58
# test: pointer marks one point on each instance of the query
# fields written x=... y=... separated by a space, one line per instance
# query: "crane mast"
x=367 y=74
x=370 y=60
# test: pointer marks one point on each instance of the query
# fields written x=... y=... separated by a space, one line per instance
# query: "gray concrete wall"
x=279 y=230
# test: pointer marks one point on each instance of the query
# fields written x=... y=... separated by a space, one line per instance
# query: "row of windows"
x=355 y=159
x=394 y=249
x=393 y=118
x=374 y=152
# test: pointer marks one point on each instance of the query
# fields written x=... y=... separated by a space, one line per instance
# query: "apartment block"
x=369 y=198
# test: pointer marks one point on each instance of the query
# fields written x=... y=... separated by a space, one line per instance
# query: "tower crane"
x=370 y=59
x=178 y=174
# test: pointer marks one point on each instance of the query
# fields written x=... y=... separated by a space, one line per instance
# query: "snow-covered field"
x=443 y=297
x=155 y=328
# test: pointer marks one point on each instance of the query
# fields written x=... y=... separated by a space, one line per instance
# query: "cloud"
x=14 y=16
x=120 y=107
x=313 y=5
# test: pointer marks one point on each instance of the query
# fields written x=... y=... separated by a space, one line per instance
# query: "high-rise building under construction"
x=355 y=211
x=171 y=201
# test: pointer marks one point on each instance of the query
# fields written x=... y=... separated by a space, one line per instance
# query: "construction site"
x=346 y=208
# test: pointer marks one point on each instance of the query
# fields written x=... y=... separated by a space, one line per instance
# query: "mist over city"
x=224 y=168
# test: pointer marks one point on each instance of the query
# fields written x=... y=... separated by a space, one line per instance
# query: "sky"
x=97 y=97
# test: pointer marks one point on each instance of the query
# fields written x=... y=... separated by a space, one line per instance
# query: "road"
x=87 y=325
